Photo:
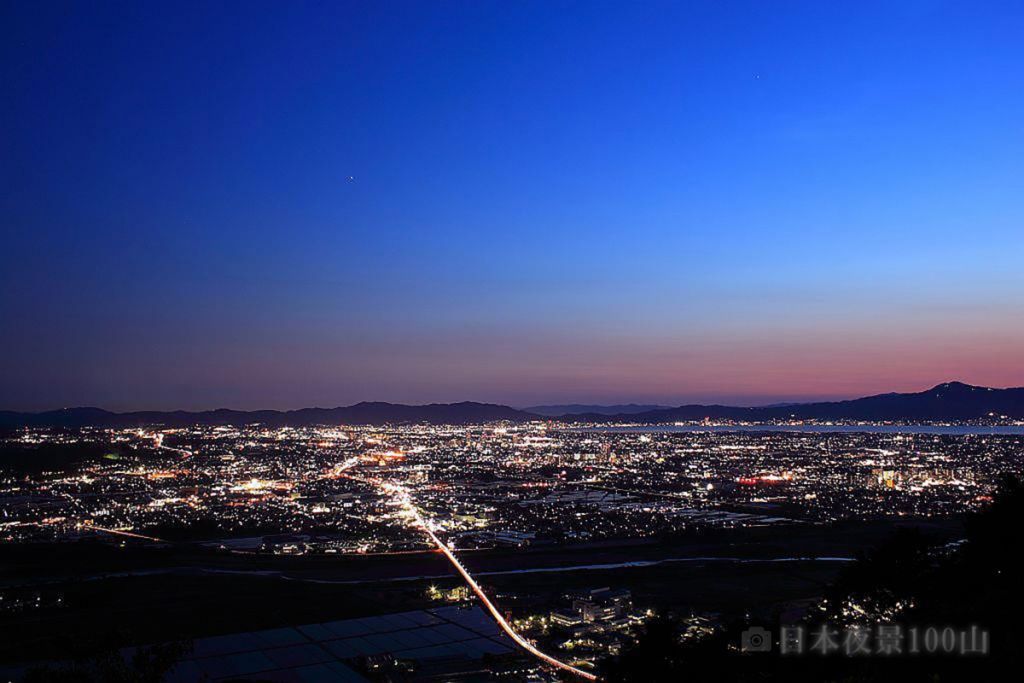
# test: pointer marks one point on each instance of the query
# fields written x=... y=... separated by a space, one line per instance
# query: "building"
x=602 y=604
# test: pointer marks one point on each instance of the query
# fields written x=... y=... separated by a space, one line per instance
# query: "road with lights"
x=502 y=622
x=401 y=495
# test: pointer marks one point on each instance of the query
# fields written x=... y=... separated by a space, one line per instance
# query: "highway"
x=119 y=532
x=412 y=513
x=403 y=497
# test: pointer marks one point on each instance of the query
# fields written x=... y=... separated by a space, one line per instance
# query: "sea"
x=946 y=430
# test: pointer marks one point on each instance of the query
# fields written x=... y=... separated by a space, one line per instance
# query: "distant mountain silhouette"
x=579 y=409
x=358 y=414
x=948 y=401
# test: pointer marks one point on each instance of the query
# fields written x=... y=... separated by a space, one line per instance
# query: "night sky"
x=548 y=202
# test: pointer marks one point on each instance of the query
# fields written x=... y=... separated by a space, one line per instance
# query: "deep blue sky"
x=552 y=201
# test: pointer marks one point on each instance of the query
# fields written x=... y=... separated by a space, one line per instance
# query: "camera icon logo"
x=756 y=639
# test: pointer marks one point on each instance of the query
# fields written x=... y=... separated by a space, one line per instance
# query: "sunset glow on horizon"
x=520 y=204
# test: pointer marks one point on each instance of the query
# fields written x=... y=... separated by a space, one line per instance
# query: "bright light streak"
x=427 y=526
x=119 y=532
x=502 y=622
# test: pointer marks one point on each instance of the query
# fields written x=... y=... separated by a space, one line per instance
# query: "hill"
x=581 y=409
x=950 y=401
x=359 y=414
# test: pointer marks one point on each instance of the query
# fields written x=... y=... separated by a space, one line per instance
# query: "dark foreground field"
x=96 y=597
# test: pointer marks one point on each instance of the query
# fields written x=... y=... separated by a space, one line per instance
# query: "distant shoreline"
x=938 y=430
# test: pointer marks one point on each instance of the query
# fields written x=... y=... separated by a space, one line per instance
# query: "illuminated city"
x=545 y=341
x=489 y=485
x=577 y=504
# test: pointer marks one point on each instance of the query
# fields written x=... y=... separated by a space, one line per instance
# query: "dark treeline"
x=910 y=581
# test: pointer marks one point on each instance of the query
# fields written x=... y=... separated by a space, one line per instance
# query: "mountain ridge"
x=946 y=401
x=558 y=410
x=365 y=412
